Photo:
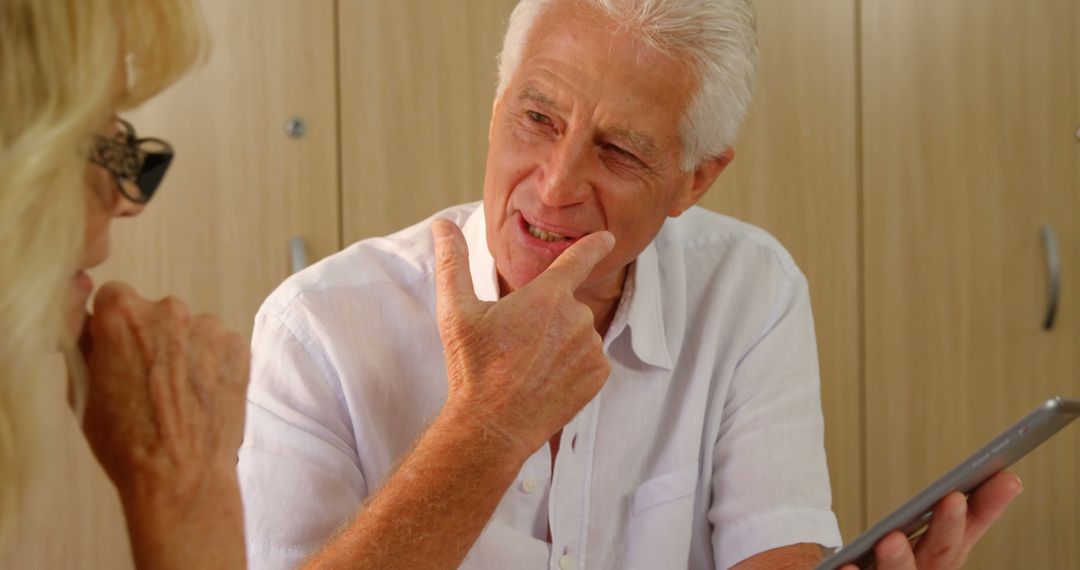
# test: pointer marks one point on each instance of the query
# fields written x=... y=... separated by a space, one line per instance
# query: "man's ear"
x=703 y=178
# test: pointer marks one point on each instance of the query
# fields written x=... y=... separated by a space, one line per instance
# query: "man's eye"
x=619 y=151
x=538 y=117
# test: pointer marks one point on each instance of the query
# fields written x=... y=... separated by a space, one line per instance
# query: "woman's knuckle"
x=206 y=325
x=175 y=310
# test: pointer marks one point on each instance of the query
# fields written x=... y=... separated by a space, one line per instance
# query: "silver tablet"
x=1002 y=451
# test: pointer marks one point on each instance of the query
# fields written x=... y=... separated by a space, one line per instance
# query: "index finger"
x=116 y=307
x=575 y=264
x=943 y=543
x=988 y=503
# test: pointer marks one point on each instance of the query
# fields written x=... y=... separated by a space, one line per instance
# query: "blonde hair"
x=62 y=65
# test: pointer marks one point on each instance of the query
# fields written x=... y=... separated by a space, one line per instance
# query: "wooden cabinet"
x=217 y=233
x=417 y=82
x=968 y=127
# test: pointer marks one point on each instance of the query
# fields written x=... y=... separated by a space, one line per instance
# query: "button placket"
x=530 y=496
x=568 y=503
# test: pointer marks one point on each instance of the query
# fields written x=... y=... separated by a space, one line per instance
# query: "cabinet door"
x=795 y=174
x=969 y=119
x=240 y=188
x=417 y=84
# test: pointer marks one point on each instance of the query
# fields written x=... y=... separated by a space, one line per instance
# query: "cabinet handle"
x=298 y=253
x=1053 y=274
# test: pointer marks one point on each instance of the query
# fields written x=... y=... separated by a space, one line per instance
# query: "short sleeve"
x=770 y=478
x=298 y=469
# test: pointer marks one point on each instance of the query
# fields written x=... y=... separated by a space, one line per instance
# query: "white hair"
x=716 y=37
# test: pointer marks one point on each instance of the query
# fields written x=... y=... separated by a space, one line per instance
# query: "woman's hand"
x=164 y=416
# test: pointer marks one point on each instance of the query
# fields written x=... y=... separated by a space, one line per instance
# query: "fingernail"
x=609 y=238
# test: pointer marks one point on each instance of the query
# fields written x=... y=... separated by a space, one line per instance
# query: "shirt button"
x=530 y=485
x=566 y=562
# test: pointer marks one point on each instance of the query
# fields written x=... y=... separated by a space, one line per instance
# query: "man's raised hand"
x=521 y=367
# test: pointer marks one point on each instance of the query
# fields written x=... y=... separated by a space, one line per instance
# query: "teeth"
x=546 y=236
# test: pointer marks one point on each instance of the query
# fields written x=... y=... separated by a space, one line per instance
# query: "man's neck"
x=603 y=310
x=603 y=299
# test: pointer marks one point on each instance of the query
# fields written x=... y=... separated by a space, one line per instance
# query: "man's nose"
x=565 y=178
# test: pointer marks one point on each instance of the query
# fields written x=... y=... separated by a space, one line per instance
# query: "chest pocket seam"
x=664 y=489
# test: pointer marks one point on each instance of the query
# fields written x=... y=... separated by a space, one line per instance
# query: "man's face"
x=585 y=138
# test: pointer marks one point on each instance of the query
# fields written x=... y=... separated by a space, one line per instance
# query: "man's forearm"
x=430 y=511
x=793 y=557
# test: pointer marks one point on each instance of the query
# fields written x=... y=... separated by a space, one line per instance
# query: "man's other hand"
x=521 y=367
x=956 y=525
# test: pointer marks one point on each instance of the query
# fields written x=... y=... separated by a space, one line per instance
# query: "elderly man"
x=527 y=392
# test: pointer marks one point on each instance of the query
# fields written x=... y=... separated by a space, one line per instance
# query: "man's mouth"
x=545 y=235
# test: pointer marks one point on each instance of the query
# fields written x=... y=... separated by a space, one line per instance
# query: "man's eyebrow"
x=533 y=94
x=637 y=141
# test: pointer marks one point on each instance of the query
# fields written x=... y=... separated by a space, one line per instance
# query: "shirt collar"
x=481 y=263
x=640 y=308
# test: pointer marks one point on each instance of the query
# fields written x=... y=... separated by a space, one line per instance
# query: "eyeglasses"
x=137 y=164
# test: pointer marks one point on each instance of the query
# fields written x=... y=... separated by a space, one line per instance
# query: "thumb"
x=453 y=281
x=575 y=264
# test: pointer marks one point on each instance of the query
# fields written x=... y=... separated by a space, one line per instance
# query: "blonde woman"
x=162 y=390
